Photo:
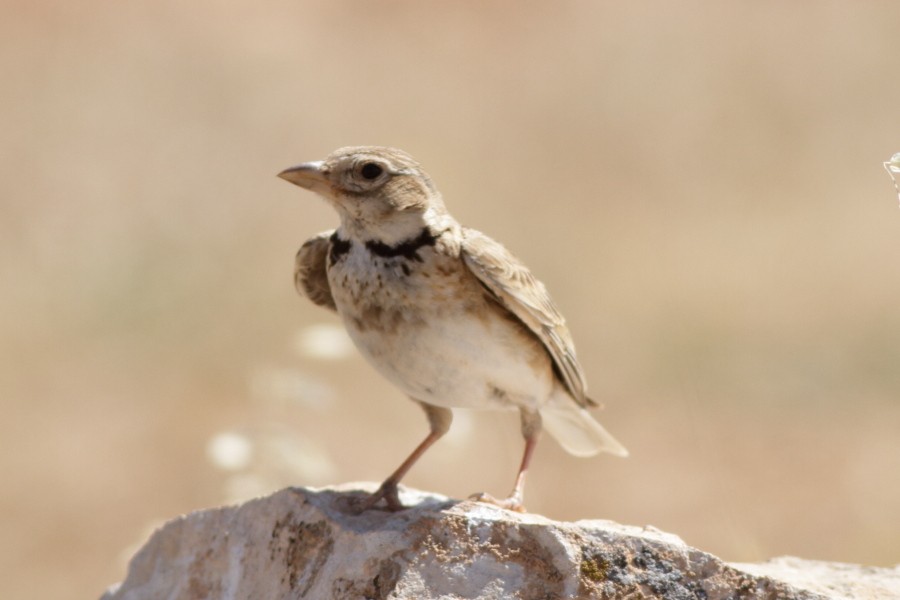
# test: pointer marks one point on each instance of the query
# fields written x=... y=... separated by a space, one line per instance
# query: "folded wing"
x=513 y=285
x=310 y=270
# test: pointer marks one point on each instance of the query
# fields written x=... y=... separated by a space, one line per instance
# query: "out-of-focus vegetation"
x=700 y=185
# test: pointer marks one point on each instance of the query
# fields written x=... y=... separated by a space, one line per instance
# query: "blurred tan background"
x=699 y=184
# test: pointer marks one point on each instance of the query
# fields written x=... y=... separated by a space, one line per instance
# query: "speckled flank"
x=391 y=291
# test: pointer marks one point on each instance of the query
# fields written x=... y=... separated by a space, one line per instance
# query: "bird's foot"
x=513 y=503
x=387 y=492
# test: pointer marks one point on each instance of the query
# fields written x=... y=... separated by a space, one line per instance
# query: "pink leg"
x=531 y=430
x=439 y=419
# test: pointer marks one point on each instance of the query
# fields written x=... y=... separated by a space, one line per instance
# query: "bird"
x=442 y=311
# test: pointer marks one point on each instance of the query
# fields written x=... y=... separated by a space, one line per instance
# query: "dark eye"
x=370 y=171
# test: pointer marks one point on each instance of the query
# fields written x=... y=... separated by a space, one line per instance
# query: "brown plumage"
x=444 y=312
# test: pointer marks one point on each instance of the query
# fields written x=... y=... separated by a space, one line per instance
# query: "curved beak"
x=307 y=175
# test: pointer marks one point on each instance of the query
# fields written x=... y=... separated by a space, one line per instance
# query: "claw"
x=513 y=503
x=387 y=492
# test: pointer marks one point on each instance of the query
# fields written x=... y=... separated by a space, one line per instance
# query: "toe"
x=512 y=503
x=387 y=492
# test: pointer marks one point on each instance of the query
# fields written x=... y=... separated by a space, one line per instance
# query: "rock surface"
x=305 y=543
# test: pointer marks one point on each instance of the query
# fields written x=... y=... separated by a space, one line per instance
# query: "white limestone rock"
x=306 y=543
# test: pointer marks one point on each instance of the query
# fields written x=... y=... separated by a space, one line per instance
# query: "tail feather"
x=578 y=433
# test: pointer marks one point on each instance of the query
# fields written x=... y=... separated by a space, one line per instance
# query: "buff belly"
x=437 y=336
x=459 y=363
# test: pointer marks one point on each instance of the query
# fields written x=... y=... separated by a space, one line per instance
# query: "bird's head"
x=380 y=193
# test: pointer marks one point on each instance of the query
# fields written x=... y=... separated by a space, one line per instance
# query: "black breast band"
x=407 y=249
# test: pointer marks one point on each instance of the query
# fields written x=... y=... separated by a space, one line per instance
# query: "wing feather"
x=513 y=285
x=310 y=270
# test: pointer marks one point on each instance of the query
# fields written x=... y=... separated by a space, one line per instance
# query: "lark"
x=442 y=311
